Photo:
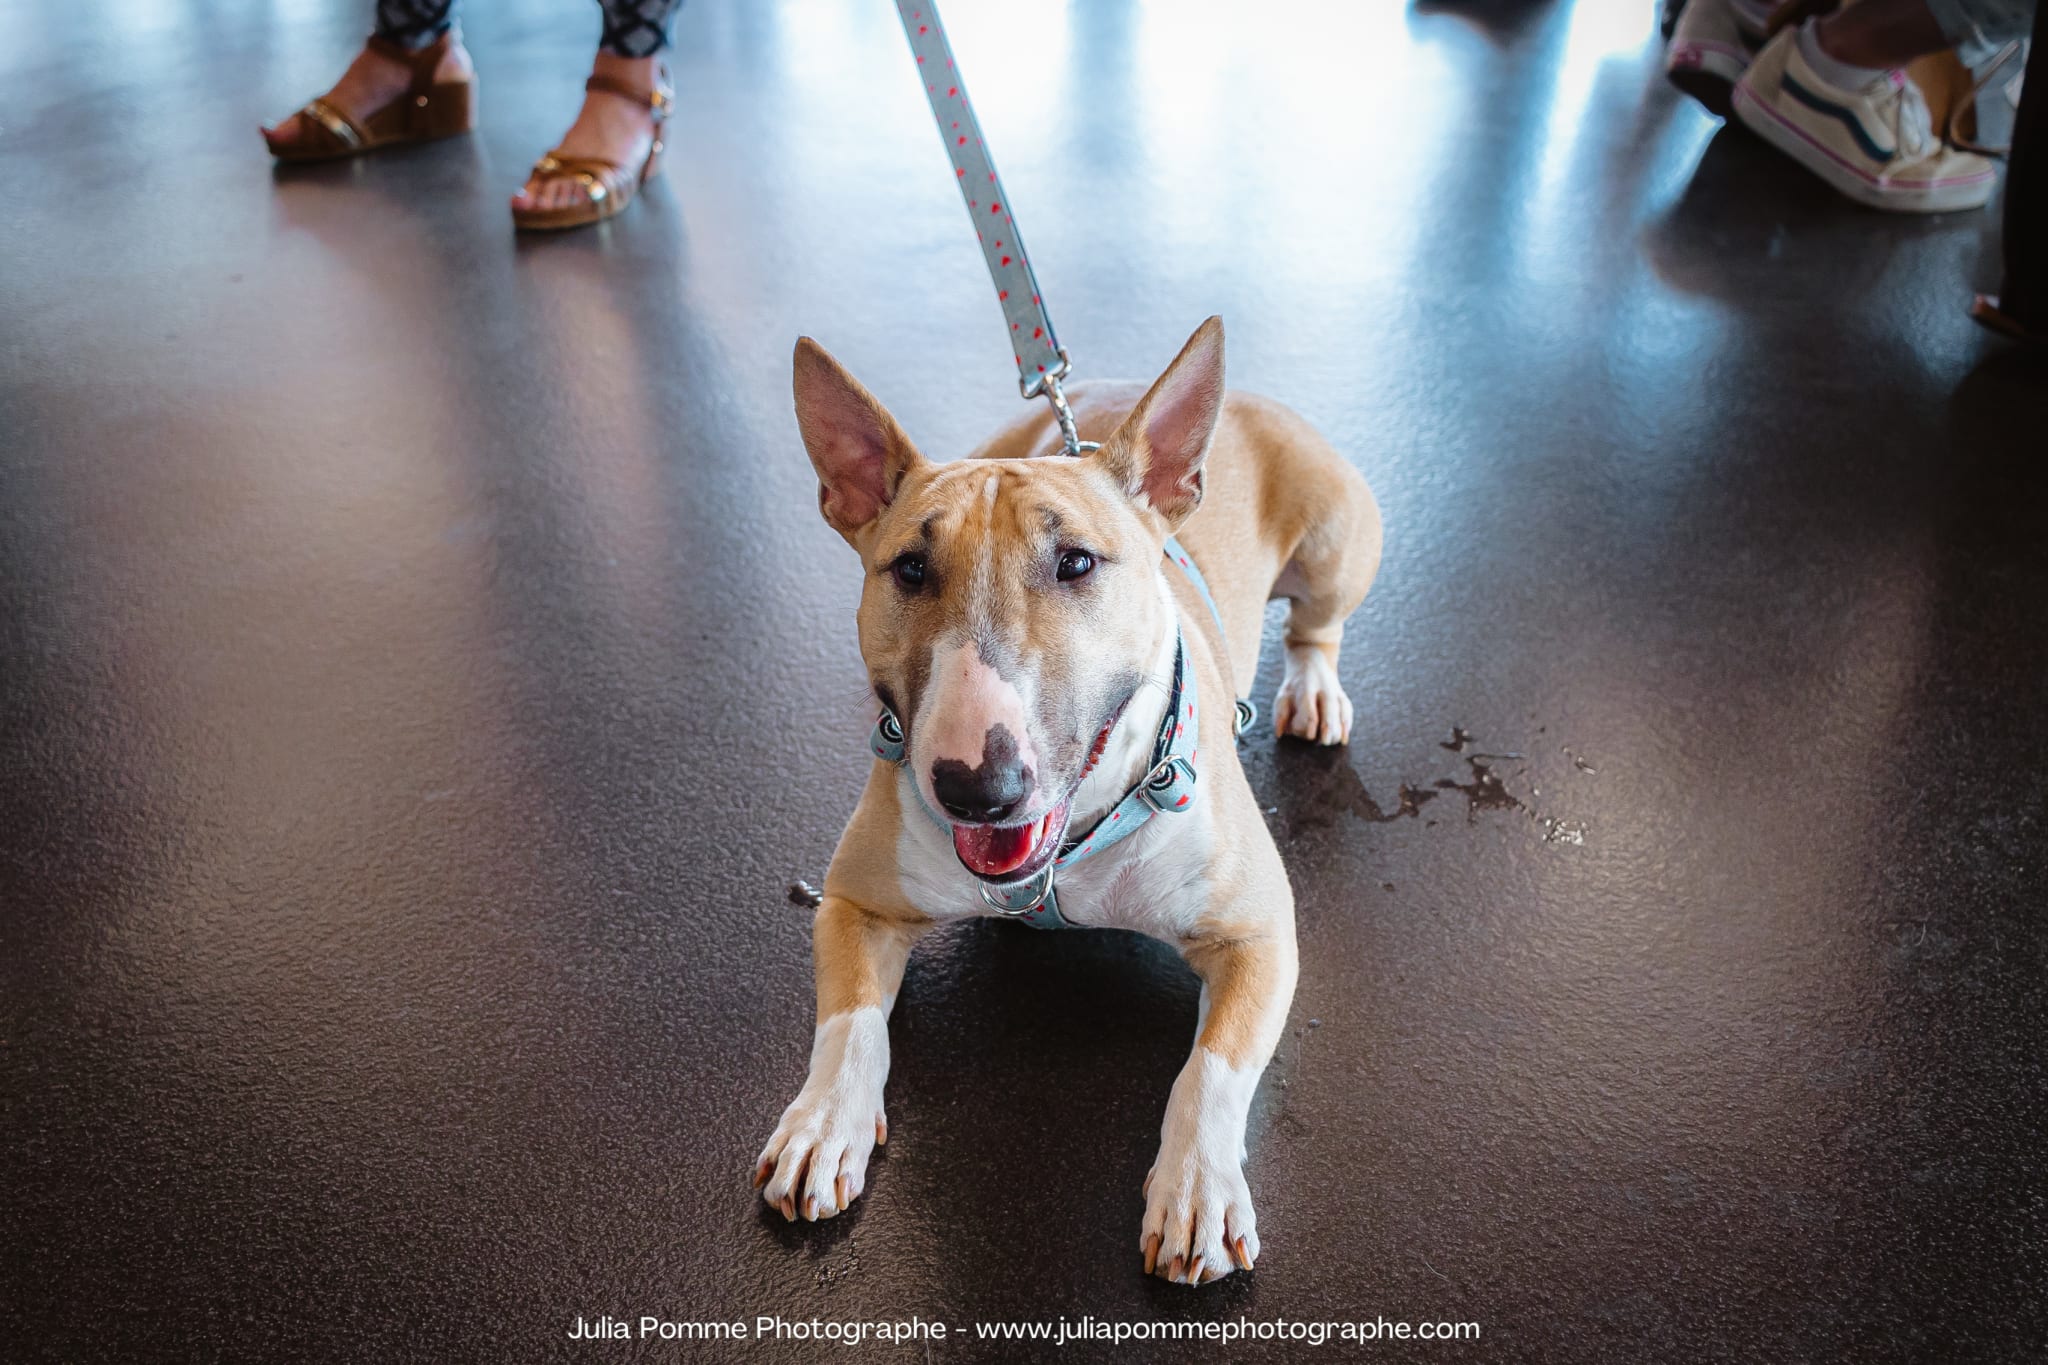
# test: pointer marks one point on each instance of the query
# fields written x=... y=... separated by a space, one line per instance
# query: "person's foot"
x=1708 y=53
x=1712 y=44
x=607 y=128
x=1988 y=312
x=1876 y=145
x=372 y=81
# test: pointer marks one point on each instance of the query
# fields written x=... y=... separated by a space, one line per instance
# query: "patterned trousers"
x=632 y=28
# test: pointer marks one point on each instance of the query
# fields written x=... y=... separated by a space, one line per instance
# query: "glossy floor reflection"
x=423 y=670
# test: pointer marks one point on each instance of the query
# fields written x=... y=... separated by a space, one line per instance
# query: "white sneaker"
x=1876 y=146
x=1708 y=53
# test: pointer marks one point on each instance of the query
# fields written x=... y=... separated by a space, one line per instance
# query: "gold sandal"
x=608 y=185
x=1987 y=311
x=427 y=110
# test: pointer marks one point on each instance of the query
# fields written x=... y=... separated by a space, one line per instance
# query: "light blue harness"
x=1168 y=786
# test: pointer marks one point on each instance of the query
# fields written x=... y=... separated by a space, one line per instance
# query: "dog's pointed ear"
x=1157 y=454
x=861 y=455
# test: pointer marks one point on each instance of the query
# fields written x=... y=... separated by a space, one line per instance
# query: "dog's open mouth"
x=1004 y=853
x=1008 y=853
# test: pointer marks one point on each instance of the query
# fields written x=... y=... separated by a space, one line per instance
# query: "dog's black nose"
x=984 y=795
x=988 y=793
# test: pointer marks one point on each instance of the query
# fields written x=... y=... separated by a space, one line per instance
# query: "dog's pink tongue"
x=992 y=851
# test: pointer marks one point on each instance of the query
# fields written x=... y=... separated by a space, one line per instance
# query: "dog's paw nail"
x=881 y=1130
x=821 y=1149
x=1152 y=1253
x=762 y=1172
x=1195 y=1271
x=1237 y=1254
x=1173 y=1269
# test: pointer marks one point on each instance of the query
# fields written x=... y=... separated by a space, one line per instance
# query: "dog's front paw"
x=817 y=1162
x=1311 y=703
x=1198 y=1215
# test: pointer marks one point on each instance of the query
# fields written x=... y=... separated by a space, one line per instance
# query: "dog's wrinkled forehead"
x=994 y=527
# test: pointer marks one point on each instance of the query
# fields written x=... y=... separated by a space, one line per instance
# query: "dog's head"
x=1011 y=608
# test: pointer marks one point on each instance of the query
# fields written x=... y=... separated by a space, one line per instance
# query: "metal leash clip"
x=1048 y=385
x=1038 y=383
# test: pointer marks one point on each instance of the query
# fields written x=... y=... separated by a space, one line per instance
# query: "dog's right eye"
x=908 y=571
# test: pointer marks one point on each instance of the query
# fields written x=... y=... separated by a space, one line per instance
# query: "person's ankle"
x=641 y=73
x=1838 y=54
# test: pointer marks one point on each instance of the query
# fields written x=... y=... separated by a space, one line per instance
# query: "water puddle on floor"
x=1411 y=802
x=1485 y=785
x=1485 y=791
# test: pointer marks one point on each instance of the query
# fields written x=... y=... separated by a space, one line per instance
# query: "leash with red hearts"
x=1168 y=785
x=1042 y=363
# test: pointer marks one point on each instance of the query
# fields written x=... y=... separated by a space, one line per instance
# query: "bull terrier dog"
x=1055 y=642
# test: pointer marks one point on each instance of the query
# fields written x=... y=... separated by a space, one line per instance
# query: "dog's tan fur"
x=1272 y=511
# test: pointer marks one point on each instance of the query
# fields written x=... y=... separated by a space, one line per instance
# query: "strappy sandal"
x=1987 y=312
x=608 y=185
x=427 y=110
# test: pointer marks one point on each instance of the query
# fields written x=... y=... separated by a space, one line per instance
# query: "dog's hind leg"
x=1326 y=576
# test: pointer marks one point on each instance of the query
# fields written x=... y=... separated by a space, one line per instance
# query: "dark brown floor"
x=423 y=670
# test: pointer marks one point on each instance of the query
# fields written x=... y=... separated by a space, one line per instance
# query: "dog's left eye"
x=1075 y=564
x=908 y=571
